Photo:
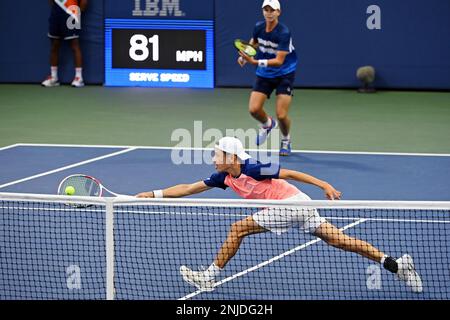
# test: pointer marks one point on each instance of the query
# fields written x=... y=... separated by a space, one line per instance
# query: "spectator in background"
x=64 y=26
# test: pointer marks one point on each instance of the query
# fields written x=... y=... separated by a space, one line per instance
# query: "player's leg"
x=204 y=280
x=256 y=106
x=78 y=61
x=52 y=79
x=282 y=109
x=76 y=49
x=336 y=238
x=239 y=230
x=55 y=34
x=284 y=98
x=262 y=90
x=403 y=267
x=54 y=51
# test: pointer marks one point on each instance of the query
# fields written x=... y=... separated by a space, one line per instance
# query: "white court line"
x=10 y=147
x=262 y=264
x=67 y=167
x=250 y=150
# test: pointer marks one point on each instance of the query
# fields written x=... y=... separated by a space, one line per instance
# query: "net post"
x=109 y=224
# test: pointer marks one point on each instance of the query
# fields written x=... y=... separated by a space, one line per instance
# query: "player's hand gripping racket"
x=84 y=185
x=245 y=47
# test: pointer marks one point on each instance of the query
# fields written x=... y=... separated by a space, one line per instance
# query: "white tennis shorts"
x=279 y=220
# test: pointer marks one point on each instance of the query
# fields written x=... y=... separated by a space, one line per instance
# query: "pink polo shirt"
x=256 y=181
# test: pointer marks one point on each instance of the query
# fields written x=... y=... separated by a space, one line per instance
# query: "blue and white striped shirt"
x=279 y=39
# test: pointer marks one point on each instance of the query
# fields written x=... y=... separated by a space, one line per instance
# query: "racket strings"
x=83 y=186
x=246 y=47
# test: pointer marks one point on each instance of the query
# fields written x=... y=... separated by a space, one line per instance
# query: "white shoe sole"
x=184 y=273
x=51 y=86
x=260 y=141
x=414 y=284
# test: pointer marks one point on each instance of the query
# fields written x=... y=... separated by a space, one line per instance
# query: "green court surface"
x=387 y=121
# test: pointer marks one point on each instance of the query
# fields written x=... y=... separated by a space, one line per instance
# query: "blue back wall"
x=25 y=47
x=411 y=50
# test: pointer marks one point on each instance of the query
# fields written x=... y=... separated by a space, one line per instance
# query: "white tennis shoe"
x=265 y=131
x=78 y=82
x=50 y=82
x=197 y=278
x=407 y=273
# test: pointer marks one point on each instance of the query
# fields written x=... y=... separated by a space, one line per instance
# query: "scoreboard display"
x=159 y=53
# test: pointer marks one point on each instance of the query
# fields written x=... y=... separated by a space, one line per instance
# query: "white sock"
x=283 y=137
x=268 y=123
x=79 y=73
x=384 y=258
x=213 y=271
x=54 y=72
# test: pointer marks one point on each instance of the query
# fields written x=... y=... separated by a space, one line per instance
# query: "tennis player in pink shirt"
x=251 y=179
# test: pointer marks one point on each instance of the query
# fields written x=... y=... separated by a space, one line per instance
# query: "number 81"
x=139 y=42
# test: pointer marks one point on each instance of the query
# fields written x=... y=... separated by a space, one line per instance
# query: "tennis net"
x=113 y=248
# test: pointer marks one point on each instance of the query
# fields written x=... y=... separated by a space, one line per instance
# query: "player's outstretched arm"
x=178 y=191
x=330 y=192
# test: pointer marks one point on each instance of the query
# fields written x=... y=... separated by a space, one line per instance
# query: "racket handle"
x=241 y=61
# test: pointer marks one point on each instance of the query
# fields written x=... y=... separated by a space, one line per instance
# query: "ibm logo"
x=162 y=8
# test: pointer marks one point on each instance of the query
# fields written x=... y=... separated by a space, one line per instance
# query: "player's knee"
x=254 y=110
x=237 y=231
x=55 y=46
x=75 y=44
x=282 y=115
x=75 y=47
x=234 y=230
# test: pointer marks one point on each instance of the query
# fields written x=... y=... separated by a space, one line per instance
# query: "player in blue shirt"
x=277 y=62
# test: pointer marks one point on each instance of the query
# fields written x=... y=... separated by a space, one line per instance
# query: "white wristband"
x=158 y=194
x=263 y=63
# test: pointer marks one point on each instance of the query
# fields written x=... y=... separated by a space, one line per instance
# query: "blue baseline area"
x=358 y=176
x=24 y=161
x=144 y=251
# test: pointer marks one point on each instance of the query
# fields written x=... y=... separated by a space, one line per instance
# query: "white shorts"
x=279 y=220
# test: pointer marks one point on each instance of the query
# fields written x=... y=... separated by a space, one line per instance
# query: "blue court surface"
x=311 y=270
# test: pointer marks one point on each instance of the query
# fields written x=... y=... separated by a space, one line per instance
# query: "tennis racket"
x=85 y=185
x=245 y=47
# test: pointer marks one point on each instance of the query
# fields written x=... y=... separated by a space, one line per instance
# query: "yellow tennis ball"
x=70 y=190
